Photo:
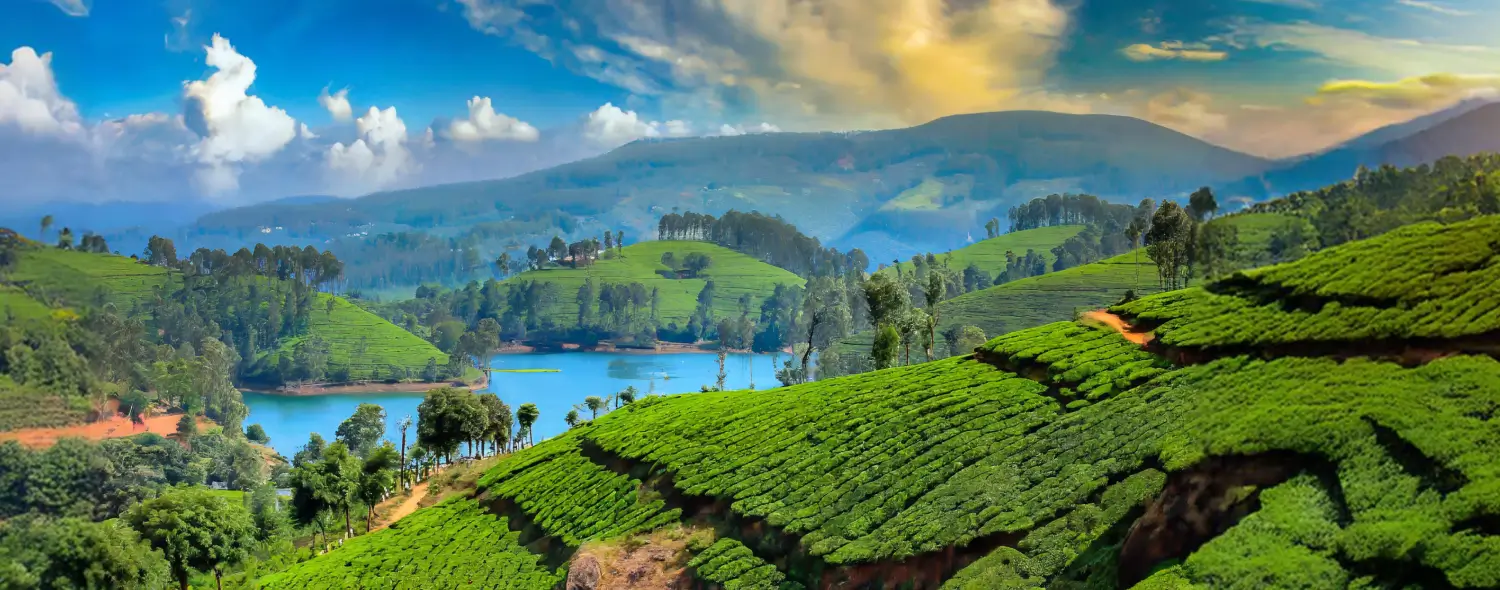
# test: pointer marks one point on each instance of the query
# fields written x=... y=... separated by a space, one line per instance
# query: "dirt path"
x=1119 y=325
x=115 y=427
x=407 y=506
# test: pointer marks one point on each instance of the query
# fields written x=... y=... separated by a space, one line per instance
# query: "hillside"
x=951 y=172
x=989 y=254
x=364 y=344
x=734 y=274
x=86 y=279
x=1467 y=129
x=1062 y=456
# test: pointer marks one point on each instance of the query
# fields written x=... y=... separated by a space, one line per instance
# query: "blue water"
x=289 y=420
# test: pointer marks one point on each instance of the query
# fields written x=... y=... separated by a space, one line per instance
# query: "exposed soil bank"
x=116 y=426
x=1141 y=337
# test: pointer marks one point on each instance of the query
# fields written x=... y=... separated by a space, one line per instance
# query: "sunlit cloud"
x=1173 y=50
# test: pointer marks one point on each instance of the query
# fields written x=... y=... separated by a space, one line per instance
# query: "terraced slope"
x=16 y=305
x=734 y=274
x=365 y=343
x=989 y=254
x=82 y=278
x=1063 y=456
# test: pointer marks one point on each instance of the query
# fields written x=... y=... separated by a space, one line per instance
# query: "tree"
x=430 y=371
x=46 y=225
x=363 y=430
x=339 y=474
x=594 y=403
x=376 y=478
x=626 y=397
x=527 y=416
x=255 y=433
x=498 y=420
x=503 y=264
x=571 y=419
x=1167 y=243
x=312 y=452
x=65 y=239
x=403 y=424
x=886 y=346
x=1216 y=245
x=933 y=294
x=194 y=530
x=447 y=417
x=40 y=552
x=187 y=427
x=1201 y=204
x=969 y=338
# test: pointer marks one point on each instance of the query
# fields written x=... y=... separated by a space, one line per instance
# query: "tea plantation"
x=84 y=279
x=1062 y=456
x=364 y=343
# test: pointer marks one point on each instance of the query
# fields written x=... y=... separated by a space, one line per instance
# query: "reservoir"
x=289 y=420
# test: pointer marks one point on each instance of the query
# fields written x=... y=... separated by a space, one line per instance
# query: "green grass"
x=733 y=273
x=16 y=304
x=989 y=255
x=927 y=196
x=85 y=279
x=349 y=327
x=456 y=544
x=1390 y=471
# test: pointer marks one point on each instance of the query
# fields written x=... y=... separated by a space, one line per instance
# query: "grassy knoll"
x=365 y=343
x=734 y=274
x=82 y=278
x=989 y=254
x=16 y=305
x=1061 y=456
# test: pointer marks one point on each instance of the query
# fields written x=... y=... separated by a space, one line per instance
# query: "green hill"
x=1061 y=456
x=16 y=305
x=990 y=254
x=734 y=274
x=364 y=344
x=86 y=279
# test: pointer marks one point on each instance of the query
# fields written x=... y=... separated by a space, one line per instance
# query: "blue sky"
x=113 y=112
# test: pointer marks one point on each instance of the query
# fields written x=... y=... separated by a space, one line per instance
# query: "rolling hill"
x=734 y=274
x=948 y=173
x=364 y=344
x=1061 y=456
x=989 y=254
x=85 y=279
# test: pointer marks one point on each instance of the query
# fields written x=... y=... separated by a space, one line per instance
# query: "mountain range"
x=891 y=192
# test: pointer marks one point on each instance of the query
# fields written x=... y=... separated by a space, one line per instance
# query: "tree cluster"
x=765 y=237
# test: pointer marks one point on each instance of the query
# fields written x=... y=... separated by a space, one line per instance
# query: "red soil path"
x=115 y=427
x=1119 y=325
x=406 y=507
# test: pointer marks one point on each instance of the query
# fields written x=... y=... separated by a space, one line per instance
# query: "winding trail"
x=1120 y=325
x=407 y=506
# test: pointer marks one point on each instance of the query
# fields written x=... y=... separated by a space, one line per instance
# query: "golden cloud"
x=1173 y=50
x=1434 y=90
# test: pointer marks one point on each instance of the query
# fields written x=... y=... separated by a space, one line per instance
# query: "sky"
x=236 y=102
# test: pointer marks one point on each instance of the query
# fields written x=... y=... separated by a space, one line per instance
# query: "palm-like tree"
x=527 y=415
x=46 y=225
x=594 y=403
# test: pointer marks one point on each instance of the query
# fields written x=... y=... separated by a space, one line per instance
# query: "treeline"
x=1379 y=200
x=770 y=239
x=1067 y=209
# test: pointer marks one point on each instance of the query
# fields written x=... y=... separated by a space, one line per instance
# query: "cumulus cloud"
x=845 y=62
x=337 y=104
x=74 y=7
x=29 y=97
x=727 y=129
x=484 y=123
x=610 y=125
x=378 y=159
x=235 y=127
x=306 y=133
x=1173 y=50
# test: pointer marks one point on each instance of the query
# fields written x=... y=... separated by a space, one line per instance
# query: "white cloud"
x=235 y=127
x=677 y=128
x=1433 y=7
x=74 y=7
x=377 y=159
x=727 y=129
x=29 y=97
x=306 y=133
x=1395 y=57
x=611 y=126
x=337 y=104
x=484 y=123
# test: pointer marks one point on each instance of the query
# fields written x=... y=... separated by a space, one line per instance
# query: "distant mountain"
x=901 y=183
x=1468 y=128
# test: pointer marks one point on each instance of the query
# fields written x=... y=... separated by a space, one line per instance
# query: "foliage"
x=732 y=566
x=363 y=430
x=194 y=530
x=359 y=345
x=449 y=416
x=456 y=544
x=39 y=552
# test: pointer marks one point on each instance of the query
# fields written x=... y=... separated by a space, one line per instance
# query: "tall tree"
x=377 y=478
x=403 y=425
x=1167 y=243
x=363 y=430
x=447 y=417
x=594 y=403
x=527 y=416
x=1202 y=204
x=194 y=530
x=46 y=225
x=498 y=420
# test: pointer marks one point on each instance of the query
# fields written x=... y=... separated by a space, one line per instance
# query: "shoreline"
x=661 y=348
x=314 y=389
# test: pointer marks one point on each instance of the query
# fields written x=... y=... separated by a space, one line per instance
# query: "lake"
x=289 y=420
